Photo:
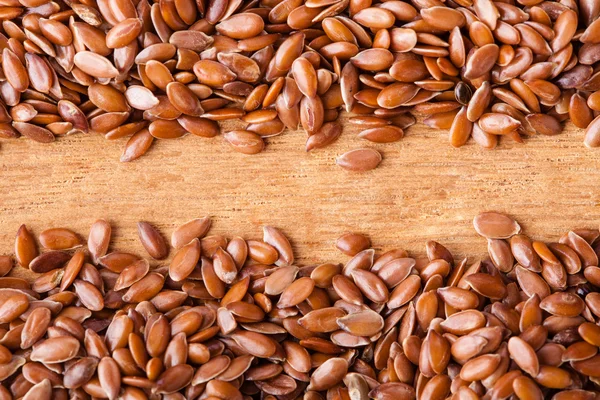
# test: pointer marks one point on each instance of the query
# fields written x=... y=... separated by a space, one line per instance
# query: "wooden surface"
x=423 y=189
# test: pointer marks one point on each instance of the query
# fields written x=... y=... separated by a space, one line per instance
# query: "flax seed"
x=391 y=326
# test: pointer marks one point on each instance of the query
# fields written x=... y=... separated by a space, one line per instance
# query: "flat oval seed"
x=359 y=160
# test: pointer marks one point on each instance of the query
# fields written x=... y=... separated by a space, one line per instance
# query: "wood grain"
x=423 y=189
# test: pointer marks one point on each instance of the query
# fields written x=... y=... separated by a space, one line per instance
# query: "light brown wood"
x=424 y=189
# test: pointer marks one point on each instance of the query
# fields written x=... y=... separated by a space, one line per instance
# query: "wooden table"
x=423 y=189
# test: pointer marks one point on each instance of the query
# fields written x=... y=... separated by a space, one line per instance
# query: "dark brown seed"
x=48 y=261
x=463 y=93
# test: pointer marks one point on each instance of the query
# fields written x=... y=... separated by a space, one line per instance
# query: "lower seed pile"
x=236 y=319
x=161 y=69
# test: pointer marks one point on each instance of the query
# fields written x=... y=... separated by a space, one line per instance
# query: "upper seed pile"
x=129 y=68
x=236 y=319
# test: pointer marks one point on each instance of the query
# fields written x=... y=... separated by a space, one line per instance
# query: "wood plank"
x=423 y=189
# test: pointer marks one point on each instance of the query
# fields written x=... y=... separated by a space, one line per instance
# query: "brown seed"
x=25 y=247
x=327 y=134
x=461 y=129
x=109 y=377
x=311 y=113
x=123 y=33
x=55 y=350
x=592 y=134
x=522 y=250
x=396 y=95
x=532 y=283
x=131 y=274
x=145 y=288
x=579 y=112
x=305 y=76
x=89 y=295
x=211 y=369
x=41 y=390
x=99 y=239
x=359 y=160
x=137 y=145
x=392 y=389
x=280 y=279
x=328 y=374
x=375 y=59
x=184 y=99
x=254 y=343
x=213 y=74
x=245 y=142
x=95 y=65
x=404 y=292
x=498 y=124
x=377 y=18
x=196 y=228
x=479 y=102
x=199 y=126
x=480 y=367
x=463 y=93
x=296 y=293
x=174 y=379
x=352 y=243
x=524 y=355
x=322 y=320
x=196 y=41
x=35 y=327
x=363 y=323
x=152 y=241
x=6 y=264
x=563 y=304
x=280 y=242
x=80 y=372
x=371 y=285
x=493 y=225
x=34 y=132
x=231 y=27
x=443 y=18
x=481 y=61
x=59 y=239
x=185 y=260
x=15 y=72
x=385 y=134
x=224 y=266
